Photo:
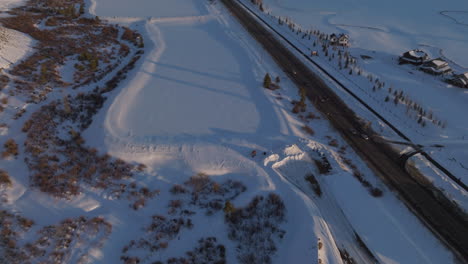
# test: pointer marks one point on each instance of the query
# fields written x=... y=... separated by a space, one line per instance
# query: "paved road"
x=434 y=211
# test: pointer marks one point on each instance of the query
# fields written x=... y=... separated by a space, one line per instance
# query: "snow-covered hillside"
x=230 y=172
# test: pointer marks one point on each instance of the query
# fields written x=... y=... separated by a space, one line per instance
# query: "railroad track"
x=420 y=196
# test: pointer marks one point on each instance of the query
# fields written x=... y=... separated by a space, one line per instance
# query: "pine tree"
x=267 y=81
x=93 y=64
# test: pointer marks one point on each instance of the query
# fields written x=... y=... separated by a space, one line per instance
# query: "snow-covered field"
x=14 y=45
x=381 y=32
x=387 y=27
x=195 y=104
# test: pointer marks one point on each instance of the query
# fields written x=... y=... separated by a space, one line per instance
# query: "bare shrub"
x=4 y=179
x=333 y=143
x=308 y=130
x=11 y=148
x=310 y=178
x=255 y=228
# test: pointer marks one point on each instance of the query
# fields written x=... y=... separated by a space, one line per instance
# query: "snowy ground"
x=7 y=4
x=200 y=107
x=194 y=103
x=14 y=45
x=388 y=27
x=374 y=32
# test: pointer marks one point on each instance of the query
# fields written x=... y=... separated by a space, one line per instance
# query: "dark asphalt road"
x=434 y=211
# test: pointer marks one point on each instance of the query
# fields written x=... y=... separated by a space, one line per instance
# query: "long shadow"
x=269 y=123
x=190 y=70
x=192 y=84
x=268 y=132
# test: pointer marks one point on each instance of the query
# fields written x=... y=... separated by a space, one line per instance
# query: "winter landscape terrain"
x=153 y=140
x=377 y=39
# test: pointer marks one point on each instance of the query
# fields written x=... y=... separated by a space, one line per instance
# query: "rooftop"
x=417 y=53
x=439 y=62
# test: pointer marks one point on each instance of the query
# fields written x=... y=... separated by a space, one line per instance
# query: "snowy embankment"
x=376 y=41
x=195 y=104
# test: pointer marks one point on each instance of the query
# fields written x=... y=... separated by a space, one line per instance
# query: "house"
x=436 y=67
x=333 y=39
x=460 y=80
x=343 y=40
x=416 y=57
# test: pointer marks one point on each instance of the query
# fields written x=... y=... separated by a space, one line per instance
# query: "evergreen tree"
x=82 y=9
x=93 y=64
x=267 y=81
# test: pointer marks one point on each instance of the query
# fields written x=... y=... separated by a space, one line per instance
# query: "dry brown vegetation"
x=208 y=251
x=347 y=259
x=199 y=192
x=4 y=179
x=157 y=237
x=310 y=178
x=256 y=227
x=323 y=165
x=60 y=163
x=68 y=37
x=11 y=149
x=72 y=238
x=308 y=130
x=4 y=80
x=210 y=195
